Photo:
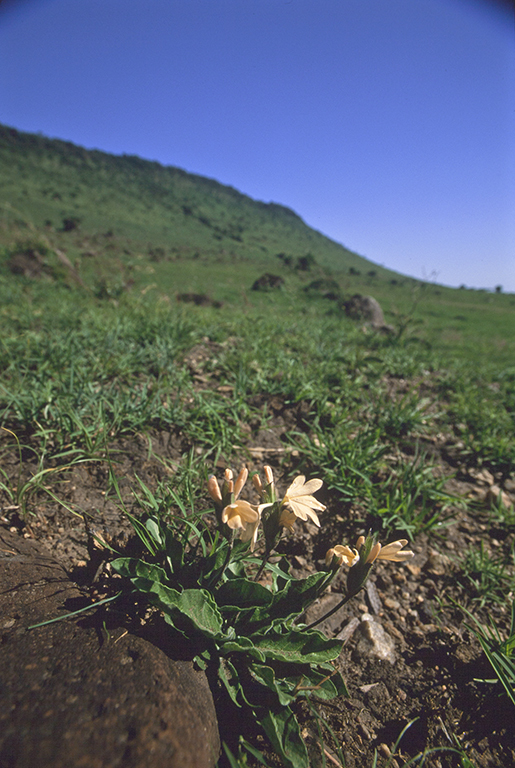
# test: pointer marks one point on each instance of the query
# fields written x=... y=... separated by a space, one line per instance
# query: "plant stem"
x=330 y=613
x=263 y=563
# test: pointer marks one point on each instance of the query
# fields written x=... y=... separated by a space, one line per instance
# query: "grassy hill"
x=130 y=224
x=46 y=180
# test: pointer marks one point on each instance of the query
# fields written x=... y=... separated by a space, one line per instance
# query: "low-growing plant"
x=397 y=418
x=213 y=581
x=499 y=652
x=412 y=498
x=490 y=575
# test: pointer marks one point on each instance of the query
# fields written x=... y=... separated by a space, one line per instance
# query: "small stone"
x=484 y=476
x=367 y=688
x=373 y=597
x=8 y=624
x=494 y=494
x=392 y=604
x=374 y=641
x=348 y=630
x=437 y=563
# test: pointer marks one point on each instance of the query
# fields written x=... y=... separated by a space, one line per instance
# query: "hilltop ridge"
x=50 y=180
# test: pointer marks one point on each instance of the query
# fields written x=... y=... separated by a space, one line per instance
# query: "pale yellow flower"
x=240 y=514
x=250 y=532
x=344 y=554
x=298 y=498
x=390 y=552
x=287 y=519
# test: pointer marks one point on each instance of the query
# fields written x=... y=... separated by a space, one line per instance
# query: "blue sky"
x=389 y=125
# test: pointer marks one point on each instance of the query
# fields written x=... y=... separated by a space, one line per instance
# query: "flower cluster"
x=361 y=559
x=275 y=514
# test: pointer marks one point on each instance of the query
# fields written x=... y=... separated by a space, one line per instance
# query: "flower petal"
x=287 y=519
x=300 y=488
x=393 y=552
x=240 y=513
x=303 y=511
x=344 y=554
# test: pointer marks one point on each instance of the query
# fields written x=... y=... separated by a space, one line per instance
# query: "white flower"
x=298 y=498
x=250 y=532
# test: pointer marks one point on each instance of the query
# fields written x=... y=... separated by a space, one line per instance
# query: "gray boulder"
x=367 y=309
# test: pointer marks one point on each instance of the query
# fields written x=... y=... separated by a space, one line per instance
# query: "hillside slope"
x=49 y=181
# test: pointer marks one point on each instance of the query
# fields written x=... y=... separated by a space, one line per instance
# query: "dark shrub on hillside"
x=70 y=224
x=326 y=286
x=199 y=299
x=268 y=282
x=304 y=263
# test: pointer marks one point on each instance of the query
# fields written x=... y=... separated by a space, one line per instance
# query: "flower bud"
x=213 y=488
x=240 y=481
x=258 y=485
x=269 y=475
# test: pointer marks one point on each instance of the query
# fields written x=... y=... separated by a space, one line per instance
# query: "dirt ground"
x=431 y=666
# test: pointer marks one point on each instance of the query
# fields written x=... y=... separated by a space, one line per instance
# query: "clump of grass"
x=489 y=576
x=499 y=651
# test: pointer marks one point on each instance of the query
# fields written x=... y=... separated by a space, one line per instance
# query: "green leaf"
x=324 y=682
x=284 y=689
x=242 y=593
x=292 y=600
x=240 y=644
x=298 y=646
x=153 y=527
x=195 y=604
x=230 y=678
x=283 y=730
x=132 y=568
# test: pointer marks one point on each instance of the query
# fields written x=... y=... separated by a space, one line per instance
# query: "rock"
x=366 y=308
x=484 y=476
x=373 y=596
x=437 y=563
x=495 y=494
x=75 y=696
x=346 y=633
x=322 y=606
x=374 y=641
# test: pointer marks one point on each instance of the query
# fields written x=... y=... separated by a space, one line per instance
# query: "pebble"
x=392 y=604
x=493 y=495
x=348 y=630
x=374 y=641
x=373 y=597
x=437 y=563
